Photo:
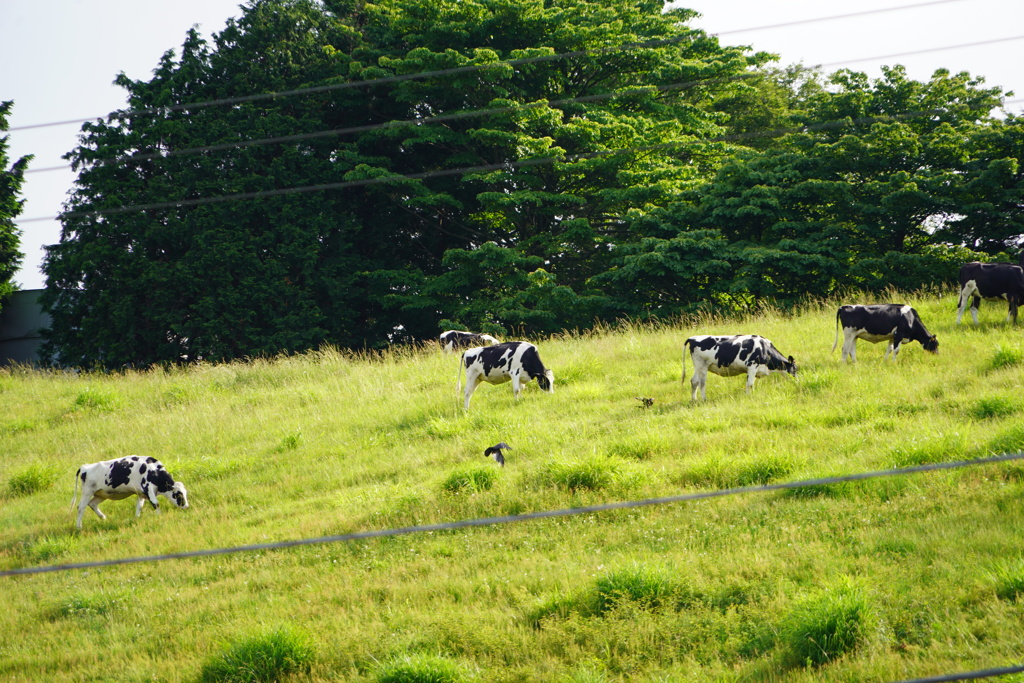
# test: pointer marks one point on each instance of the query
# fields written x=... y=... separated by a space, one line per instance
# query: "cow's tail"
x=685 y=348
x=836 y=342
x=74 y=497
x=458 y=374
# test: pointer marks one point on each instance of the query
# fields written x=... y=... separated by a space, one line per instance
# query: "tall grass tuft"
x=591 y=474
x=642 y=585
x=913 y=452
x=421 y=668
x=32 y=479
x=994 y=406
x=262 y=658
x=1008 y=579
x=470 y=479
x=826 y=626
x=1005 y=357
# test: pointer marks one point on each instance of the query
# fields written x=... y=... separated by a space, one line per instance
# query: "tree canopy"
x=507 y=166
x=11 y=205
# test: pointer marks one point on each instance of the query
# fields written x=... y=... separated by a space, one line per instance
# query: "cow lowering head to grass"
x=517 y=362
x=455 y=339
x=133 y=475
x=895 y=323
x=726 y=356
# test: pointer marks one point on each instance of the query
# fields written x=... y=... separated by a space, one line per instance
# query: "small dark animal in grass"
x=645 y=402
x=133 y=475
x=495 y=452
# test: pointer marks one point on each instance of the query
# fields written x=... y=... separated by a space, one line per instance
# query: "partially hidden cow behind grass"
x=516 y=361
x=726 y=356
x=457 y=339
x=133 y=475
x=991 y=282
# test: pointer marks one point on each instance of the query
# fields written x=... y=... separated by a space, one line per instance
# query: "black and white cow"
x=455 y=339
x=738 y=354
x=894 y=323
x=129 y=476
x=991 y=282
x=516 y=361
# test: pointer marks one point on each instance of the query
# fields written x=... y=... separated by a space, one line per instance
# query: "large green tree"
x=890 y=182
x=579 y=134
x=11 y=205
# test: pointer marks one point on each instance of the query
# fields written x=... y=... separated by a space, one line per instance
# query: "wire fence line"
x=483 y=168
x=509 y=519
x=967 y=675
x=441 y=72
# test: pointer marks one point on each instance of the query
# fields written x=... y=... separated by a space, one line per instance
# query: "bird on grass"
x=495 y=452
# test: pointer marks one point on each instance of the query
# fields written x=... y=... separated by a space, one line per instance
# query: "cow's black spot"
x=135 y=458
x=142 y=468
x=151 y=459
x=82 y=475
x=161 y=480
x=727 y=352
x=120 y=473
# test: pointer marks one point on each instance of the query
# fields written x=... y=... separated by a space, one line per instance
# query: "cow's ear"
x=791 y=359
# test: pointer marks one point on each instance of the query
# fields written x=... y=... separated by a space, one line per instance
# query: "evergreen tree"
x=10 y=207
x=581 y=132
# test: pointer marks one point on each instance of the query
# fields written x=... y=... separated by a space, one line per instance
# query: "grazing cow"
x=733 y=355
x=991 y=282
x=454 y=339
x=129 y=476
x=894 y=323
x=516 y=361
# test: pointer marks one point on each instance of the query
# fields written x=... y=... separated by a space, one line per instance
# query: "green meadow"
x=875 y=580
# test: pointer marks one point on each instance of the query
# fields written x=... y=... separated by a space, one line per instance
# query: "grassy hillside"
x=878 y=580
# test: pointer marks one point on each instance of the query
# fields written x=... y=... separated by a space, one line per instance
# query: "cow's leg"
x=697 y=382
x=751 y=376
x=517 y=385
x=849 y=345
x=94 y=503
x=965 y=295
x=472 y=382
x=975 y=303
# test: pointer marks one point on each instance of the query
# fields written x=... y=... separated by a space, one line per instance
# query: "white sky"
x=58 y=59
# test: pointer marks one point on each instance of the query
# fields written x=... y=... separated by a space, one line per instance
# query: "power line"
x=833 y=17
x=500 y=110
x=464 y=69
x=967 y=675
x=507 y=519
x=508 y=165
x=441 y=118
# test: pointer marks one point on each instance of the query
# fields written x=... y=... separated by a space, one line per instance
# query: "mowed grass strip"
x=883 y=579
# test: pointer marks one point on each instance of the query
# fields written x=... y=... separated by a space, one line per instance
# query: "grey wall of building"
x=21 y=320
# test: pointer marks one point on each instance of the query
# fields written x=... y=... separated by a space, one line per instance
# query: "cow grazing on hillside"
x=129 y=476
x=991 y=282
x=517 y=362
x=894 y=323
x=455 y=339
x=738 y=354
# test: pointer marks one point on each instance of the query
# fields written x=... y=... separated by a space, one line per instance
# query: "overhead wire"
x=483 y=168
x=468 y=68
x=636 y=90
x=507 y=519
